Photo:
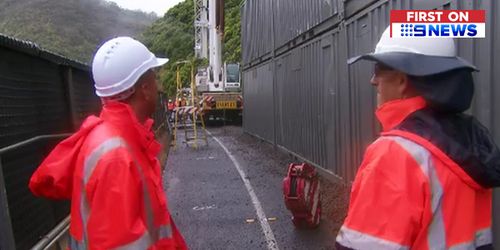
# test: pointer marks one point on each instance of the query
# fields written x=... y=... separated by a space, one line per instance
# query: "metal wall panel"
x=300 y=95
x=256 y=29
x=294 y=17
x=258 y=114
x=339 y=127
x=291 y=19
x=31 y=98
x=354 y=6
x=85 y=100
x=313 y=118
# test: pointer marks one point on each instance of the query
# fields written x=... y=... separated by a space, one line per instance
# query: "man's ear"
x=146 y=90
x=144 y=84
x=403 y=82
x=407 y=89
x=140 y=88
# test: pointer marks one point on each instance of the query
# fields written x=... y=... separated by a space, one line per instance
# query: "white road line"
x=268 y=232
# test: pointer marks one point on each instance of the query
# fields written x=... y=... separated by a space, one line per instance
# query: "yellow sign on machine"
x=225 y=105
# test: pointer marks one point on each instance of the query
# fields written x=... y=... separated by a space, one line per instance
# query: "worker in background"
x=170 y=109
x=426 y=182
x=181 y=102
x=184 y=101
x=109 y=168
x=170 y=105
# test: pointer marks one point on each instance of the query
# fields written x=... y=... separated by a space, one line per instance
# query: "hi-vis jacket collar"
x=122 y=115
x=392 y=113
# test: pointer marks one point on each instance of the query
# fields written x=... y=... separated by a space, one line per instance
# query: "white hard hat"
x=416 y=56
x=119 y=63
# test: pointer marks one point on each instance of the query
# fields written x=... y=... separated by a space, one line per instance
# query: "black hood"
x=466 y=141
x=451 y=91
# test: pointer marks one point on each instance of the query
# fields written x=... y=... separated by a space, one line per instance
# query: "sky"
x=158 y=6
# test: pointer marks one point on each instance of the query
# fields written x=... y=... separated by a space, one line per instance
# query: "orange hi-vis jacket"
x=171 y=106
x=419 y=186
x=109 y=170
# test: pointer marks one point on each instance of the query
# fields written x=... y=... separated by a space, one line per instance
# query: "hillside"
x=72 y=28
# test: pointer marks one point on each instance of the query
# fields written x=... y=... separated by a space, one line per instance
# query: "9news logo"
x=438 y=23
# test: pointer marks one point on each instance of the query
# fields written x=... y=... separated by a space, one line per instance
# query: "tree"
x=232 y=31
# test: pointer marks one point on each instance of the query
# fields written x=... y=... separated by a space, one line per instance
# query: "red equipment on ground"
x=302 y=195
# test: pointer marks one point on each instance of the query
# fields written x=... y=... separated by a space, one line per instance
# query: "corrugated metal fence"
x=323 y=108
x=40 y=94
x=35 y=99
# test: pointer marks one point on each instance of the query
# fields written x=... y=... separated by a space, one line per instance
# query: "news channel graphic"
x=438 y=23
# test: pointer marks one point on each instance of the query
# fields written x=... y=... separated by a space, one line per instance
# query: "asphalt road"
x=233 y=199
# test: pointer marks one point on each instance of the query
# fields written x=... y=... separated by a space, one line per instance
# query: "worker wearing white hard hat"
x=416 y=56
x=426 y=182
x=108 y=168
x=119 y=63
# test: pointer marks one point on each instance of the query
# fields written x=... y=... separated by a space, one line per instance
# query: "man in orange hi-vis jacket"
x=109 y=168
x=426 y=182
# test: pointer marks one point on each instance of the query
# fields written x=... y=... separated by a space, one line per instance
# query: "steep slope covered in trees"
x=232 y=36
x=73 y=28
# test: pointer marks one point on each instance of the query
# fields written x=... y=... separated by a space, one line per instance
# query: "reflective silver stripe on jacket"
x=437 y=232
x=89 y=165
x=483 y=237
x=357 y=240
x=151 y=235
x=436 y=237
x=74 y=244
x=144 y=242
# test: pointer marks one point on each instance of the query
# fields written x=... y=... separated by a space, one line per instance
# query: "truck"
x=218 y=85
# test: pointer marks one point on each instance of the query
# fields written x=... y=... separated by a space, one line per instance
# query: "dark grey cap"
x=416 y=64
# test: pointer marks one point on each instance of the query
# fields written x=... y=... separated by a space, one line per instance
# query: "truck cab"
x=232 y=77
x=220 y=100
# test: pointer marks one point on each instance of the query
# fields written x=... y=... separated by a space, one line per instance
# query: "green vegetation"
x=173 y=36
x=72 y=28
x=75 y=28
x=232 y=36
